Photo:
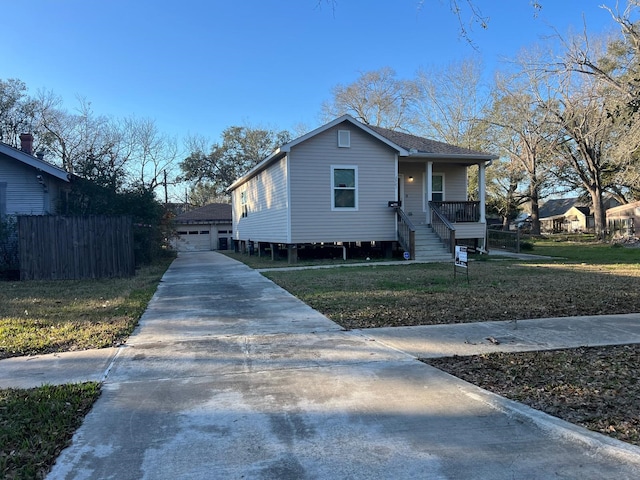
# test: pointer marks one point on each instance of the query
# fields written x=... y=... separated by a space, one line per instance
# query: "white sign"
x=407 y=255
x=461 y=256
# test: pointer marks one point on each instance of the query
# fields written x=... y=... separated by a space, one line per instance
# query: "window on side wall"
x=243 y=204
x=344 y=187
x=3 y=200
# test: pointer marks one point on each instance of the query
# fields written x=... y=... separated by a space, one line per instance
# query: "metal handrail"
x=406 y=233
x=443 y=227
x=468 y=211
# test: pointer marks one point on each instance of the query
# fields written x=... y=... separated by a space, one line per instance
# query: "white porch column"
x=482 y=191
x=428 y=194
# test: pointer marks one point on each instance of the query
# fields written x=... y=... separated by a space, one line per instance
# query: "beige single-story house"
x=204 y=228
x=347 y=183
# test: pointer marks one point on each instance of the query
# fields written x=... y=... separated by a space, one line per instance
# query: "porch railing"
x=406 y=233
x=459 y=211
x=442 y=226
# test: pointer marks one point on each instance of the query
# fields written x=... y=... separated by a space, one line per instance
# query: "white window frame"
x=243 y=204
x=425 y=193
x=334 y=187
x=437 y=174
x=344 y=138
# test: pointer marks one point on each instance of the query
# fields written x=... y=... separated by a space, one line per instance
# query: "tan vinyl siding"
x=414 y=202
x=470 y=230
x=312 y=219
x=266 y=206
x=455 y=181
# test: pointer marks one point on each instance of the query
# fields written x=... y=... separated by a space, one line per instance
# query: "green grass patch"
x=428 y=294
x=256 y=262
x=53 y=316
x=586 y=251
x=36 y=424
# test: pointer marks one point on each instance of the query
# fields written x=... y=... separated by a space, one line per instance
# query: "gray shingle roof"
x=557 y=206
x=211 y=212
x=423 y=145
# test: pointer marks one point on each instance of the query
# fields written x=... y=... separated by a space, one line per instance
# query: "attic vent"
x=344 y=138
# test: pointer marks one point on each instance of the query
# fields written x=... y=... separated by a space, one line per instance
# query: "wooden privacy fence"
x=58 y=247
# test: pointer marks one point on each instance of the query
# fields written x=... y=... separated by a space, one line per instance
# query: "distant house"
x=204 y=228
x=28 y=184
x=569 y=215
x=349 y=183
x=552 y=214
x=624 y=220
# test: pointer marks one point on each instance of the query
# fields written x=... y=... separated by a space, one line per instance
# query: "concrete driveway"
x=228 y=376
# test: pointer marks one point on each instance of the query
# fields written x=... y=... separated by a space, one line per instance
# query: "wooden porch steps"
x=429 y=248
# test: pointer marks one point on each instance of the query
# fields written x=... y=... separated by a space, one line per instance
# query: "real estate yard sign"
x=461 y=256
x=460 y=260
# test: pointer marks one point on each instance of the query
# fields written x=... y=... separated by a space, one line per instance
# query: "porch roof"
x=425 y=147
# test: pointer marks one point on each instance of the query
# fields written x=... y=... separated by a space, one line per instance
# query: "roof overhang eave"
x=35 y=162
x=453 y=156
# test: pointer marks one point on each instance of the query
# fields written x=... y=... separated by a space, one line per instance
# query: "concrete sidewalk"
x=229 y=376
x=431 y=341
x=57 y=368
x=521 y=336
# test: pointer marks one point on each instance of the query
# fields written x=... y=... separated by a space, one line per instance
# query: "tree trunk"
x=535 y=206
x=599 y=214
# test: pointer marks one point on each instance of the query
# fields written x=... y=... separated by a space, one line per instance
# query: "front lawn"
x=63 y=315
x=36 y=424
x=597 y=388
x=584 y=280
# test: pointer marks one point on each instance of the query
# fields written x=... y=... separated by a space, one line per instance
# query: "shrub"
x=9 y=251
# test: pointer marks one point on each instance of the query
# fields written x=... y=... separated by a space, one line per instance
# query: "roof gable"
x=30 y=160
x=556 y=207
x=405 y=144
x=354 y=122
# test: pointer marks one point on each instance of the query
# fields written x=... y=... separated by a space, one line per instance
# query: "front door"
x=401 y=191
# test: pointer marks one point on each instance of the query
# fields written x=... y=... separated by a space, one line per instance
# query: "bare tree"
x=522 y=130
x=376 y=98
x=17 y=111
x=450 y=103
x=615 y=62
x=151 y=156
x=585 y=136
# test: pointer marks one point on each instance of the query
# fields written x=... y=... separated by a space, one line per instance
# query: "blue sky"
x=199 y=66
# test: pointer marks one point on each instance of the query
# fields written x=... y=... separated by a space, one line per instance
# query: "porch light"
x=411 y=178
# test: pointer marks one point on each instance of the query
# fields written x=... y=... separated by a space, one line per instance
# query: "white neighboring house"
x=349 y=182
x=28 y=184
x=624 y=220
x=204 y=228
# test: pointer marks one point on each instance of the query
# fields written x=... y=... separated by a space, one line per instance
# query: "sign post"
x=461 y=260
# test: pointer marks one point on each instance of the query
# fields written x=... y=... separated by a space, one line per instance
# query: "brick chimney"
x=26 y=143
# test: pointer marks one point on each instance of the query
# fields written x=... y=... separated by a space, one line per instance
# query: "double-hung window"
x=344 y=187
x=437 y=187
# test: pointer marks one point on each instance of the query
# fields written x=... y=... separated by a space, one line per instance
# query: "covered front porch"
x=433 y=199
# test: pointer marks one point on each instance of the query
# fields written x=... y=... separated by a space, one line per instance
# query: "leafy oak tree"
x=218 y=165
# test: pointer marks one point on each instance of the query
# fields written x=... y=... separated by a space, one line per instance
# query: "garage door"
x=193 y=240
